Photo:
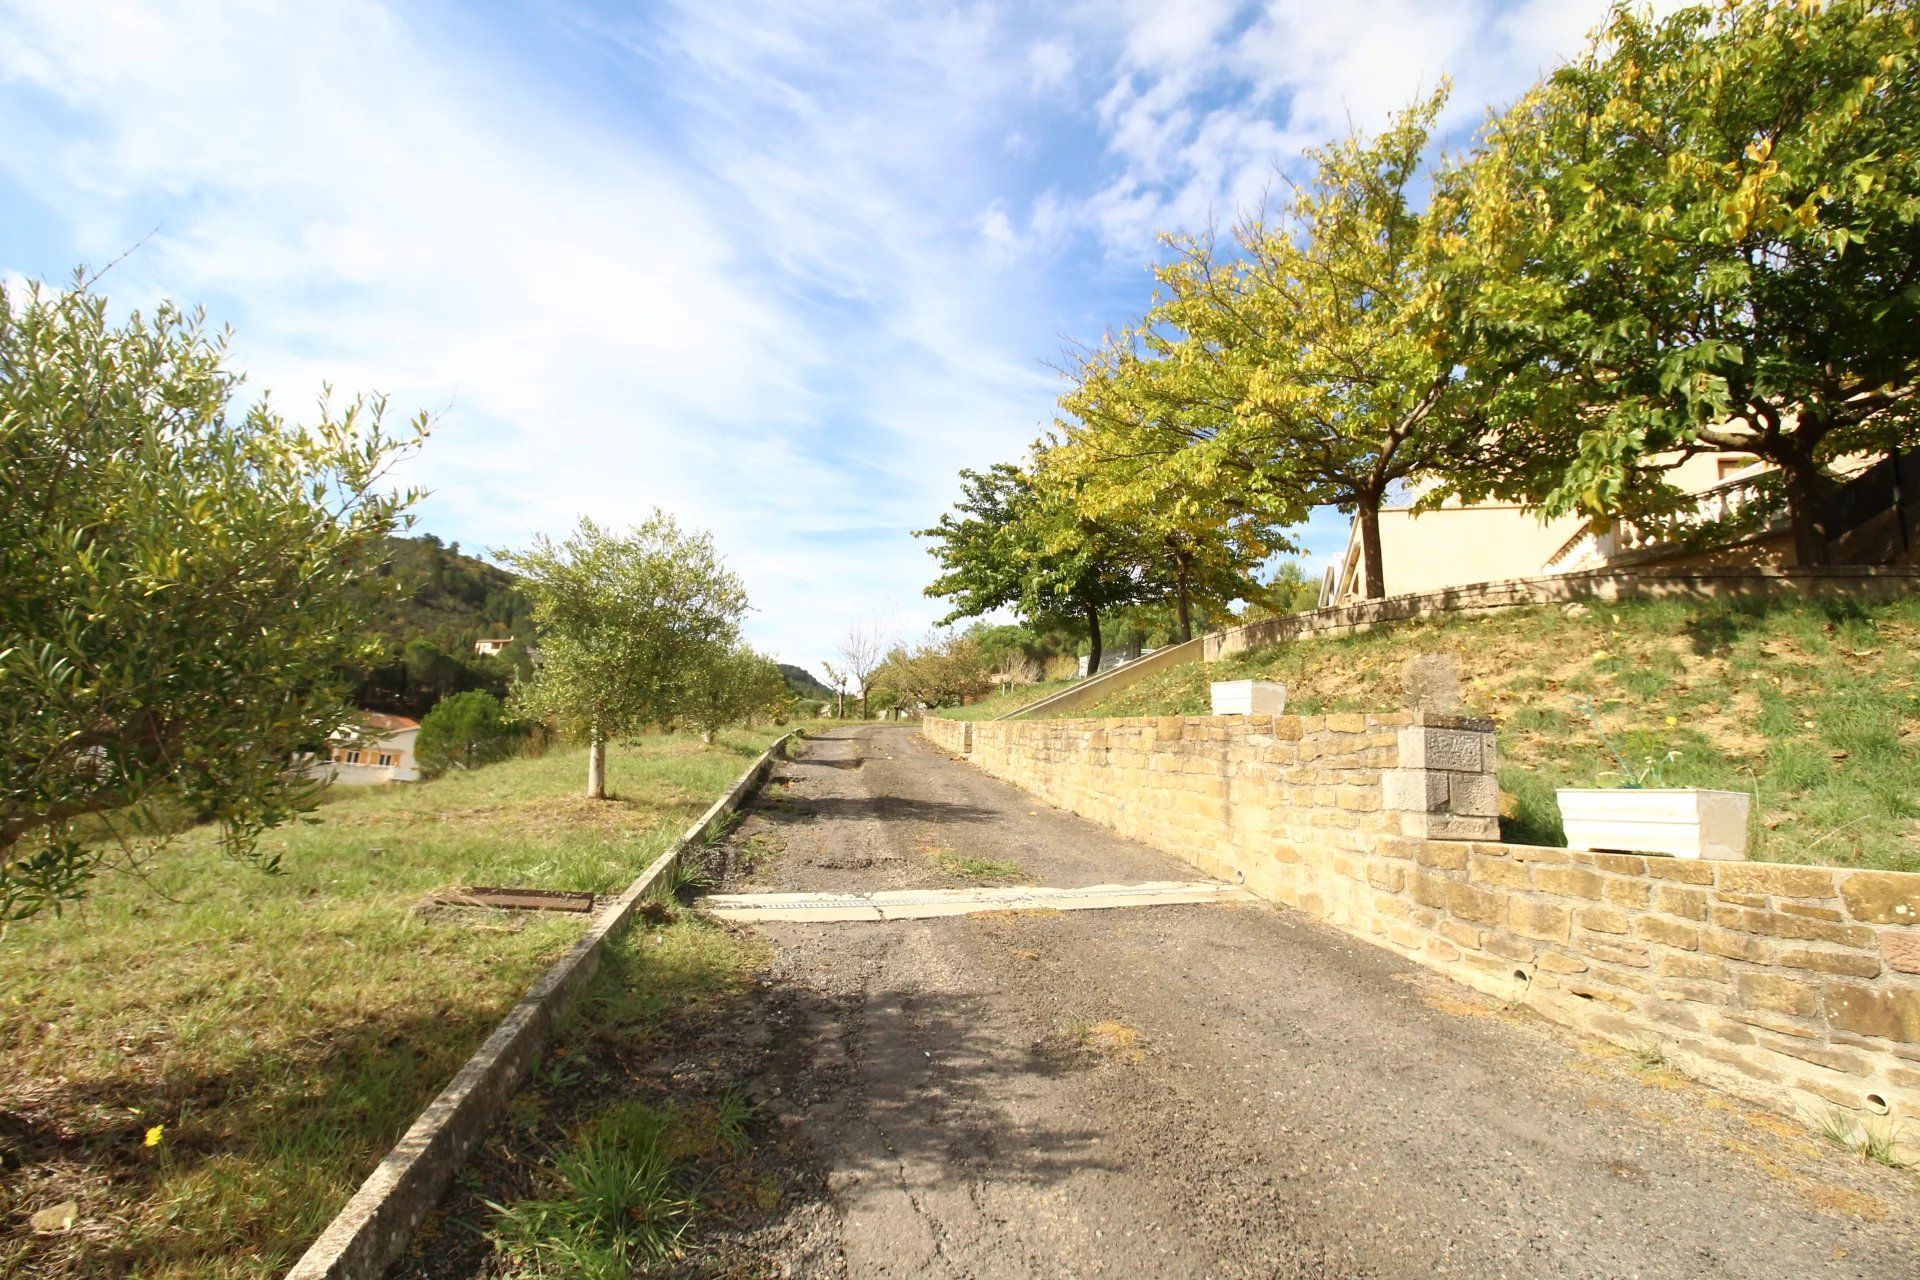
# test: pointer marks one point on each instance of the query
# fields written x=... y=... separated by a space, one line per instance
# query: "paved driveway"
x=1217 y=1090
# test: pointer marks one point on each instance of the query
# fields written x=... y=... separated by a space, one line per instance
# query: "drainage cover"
x=920 y=904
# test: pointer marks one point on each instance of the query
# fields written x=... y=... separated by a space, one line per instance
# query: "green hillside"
x=443 y=601
x=449 y=598
x=1813 y=706
x=804 y=683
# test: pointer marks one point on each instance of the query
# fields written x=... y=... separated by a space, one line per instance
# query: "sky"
x=780 y=268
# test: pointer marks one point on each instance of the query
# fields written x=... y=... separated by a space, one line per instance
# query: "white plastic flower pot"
x=1684 y=822
x=1249 y=698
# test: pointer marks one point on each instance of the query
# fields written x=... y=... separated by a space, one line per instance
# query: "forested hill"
x=804 y=682
x=449 y=598
x=445 y=601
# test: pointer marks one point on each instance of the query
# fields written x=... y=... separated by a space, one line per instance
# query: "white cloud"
x=780 y=267
x=1050 y=62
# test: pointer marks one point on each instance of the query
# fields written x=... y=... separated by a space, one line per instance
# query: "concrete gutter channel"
x=376 y=1225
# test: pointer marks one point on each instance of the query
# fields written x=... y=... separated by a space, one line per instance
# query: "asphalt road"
x=1214 y=1090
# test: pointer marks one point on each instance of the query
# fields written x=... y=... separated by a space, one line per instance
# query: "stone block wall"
x=1215 y=788
x=955 y=737
x=1700 y=581
x=1796 y=986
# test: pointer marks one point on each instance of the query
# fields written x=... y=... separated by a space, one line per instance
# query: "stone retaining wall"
x=1798 y=987
x=955 y=737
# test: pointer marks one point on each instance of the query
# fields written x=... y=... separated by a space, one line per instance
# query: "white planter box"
x=1683 y=821
x=1249 y=698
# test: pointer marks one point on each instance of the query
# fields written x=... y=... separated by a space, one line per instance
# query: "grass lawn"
x=1811 y=706
x=286 y=1029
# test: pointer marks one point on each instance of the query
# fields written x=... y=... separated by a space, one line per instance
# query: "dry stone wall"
x=1795 y=986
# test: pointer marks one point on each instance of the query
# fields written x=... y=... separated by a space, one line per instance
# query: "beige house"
x=1458 y=543
x=378 y=749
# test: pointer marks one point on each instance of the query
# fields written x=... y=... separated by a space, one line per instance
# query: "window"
x=385 y=760
x=353 y=757
x=1729 y=466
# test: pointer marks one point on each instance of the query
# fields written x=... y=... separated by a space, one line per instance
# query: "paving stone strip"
x=914 y=904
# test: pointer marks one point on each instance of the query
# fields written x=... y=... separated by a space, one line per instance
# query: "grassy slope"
x=1814 y=706
x=286 y=1029
x=1000 y=704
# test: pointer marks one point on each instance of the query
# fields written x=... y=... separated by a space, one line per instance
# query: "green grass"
x=1811 y=706
x=623 y=1177
x=286 y=1029
x=999 y=704
x=615 y=1201
x=976 y=868
x=1879 y=1143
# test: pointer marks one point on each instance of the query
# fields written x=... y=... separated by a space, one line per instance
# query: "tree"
x=181 y=593
x=1703 y=235
x=730 y=686
x=861 y=653
x=1124 y=458
x=941 y=670
x=464 y=731
x=1011 y=544
x=625 y=622
x=1318 y=360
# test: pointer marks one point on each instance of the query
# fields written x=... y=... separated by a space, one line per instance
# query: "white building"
x=491 y=648
x=379 y=748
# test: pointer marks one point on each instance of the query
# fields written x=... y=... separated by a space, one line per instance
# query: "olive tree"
x=181 y=603
x=730 y=686
x=626 y=621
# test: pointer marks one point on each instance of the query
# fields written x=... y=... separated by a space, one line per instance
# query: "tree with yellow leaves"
x=1318 y=359
x=1701 y=235
x=1124 y=455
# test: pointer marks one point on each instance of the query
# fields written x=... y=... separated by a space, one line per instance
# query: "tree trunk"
x=1181 y=601
x=1807 y=492
x=596 y=766
x=1093 y=641
x=1370 y=548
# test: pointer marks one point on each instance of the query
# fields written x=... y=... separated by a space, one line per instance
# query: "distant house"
x=491 y=648
x=377 y=748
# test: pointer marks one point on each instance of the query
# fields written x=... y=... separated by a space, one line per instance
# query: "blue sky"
x=780 y=268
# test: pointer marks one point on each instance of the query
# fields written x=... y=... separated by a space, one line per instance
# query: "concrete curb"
x=376 y=1225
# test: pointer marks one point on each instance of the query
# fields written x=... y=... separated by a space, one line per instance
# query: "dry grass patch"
x=1109 y=1039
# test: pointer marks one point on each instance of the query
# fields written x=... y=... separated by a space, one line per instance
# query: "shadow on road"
x=914 y=1090
x=802 y=809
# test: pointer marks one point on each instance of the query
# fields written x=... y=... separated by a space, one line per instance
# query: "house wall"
x=367 y=772
x=1482 y=542
x=1441 y=548
x=1798 y=987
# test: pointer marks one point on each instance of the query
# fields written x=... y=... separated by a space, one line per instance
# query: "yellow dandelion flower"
x=155 y=1133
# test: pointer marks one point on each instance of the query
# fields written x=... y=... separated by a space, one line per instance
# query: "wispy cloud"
x=781 y=267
